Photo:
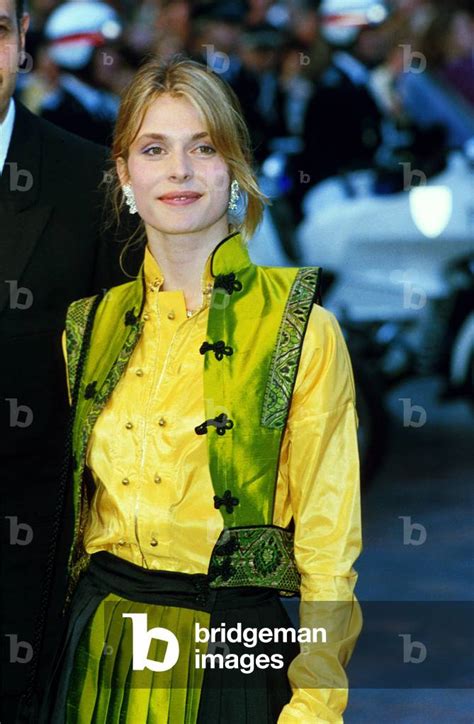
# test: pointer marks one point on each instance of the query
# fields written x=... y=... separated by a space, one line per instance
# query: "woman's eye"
x=207 y=148
x=150 y=150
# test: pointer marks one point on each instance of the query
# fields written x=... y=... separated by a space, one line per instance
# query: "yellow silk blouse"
x=153 y=485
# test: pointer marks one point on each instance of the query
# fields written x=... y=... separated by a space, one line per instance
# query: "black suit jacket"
x=52 y=251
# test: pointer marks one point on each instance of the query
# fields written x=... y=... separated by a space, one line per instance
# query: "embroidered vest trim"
x=255 y=556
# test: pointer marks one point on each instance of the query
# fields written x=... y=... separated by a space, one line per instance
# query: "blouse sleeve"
x=323 y=478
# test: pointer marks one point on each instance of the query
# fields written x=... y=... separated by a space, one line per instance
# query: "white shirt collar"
x=6 y=130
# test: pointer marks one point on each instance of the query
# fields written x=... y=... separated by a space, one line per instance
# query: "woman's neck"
x=182 y=259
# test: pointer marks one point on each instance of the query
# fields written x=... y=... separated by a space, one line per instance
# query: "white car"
x=389 y=252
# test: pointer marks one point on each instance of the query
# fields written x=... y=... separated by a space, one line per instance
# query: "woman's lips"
x=176 y=201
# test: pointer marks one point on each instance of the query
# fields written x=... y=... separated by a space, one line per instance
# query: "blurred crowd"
x=336 y=84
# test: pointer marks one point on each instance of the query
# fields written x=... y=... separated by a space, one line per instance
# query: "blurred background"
x=361 y=114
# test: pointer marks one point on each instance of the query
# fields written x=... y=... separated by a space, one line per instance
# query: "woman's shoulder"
x=324 y=344
x=323 y=326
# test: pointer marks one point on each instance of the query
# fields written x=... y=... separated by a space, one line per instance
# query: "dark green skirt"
x=93 y=679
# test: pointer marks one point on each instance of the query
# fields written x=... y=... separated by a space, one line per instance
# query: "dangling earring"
x=130 y=198
x=234 y=195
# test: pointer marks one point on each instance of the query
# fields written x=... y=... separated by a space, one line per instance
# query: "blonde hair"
x=221 y=112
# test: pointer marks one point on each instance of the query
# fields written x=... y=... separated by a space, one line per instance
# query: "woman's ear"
x=122 y=171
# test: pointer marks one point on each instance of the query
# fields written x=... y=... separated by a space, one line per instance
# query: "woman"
x=214 y=451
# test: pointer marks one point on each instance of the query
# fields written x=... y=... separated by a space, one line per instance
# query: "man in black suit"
x=342 y=123
x=52 y=251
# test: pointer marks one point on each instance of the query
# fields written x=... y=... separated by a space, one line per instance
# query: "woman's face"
x=173 y=153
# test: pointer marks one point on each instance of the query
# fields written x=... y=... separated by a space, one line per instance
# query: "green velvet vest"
x=256 y=325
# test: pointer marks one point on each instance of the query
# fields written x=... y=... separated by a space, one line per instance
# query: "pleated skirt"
x=95 y=679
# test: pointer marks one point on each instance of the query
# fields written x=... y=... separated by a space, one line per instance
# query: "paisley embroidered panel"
x=286 y=355
x=76 y=322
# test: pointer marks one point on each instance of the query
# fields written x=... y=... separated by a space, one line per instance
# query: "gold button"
x=139 y=373
x=125 y=481
x=146 y=317
x=171 y=315
x=153 y=542
x=162 y=421
x=121 y=542
x=129 y=425
x=156 y=283
x=157 y=479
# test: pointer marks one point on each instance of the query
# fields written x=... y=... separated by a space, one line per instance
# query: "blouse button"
x=171 y=315
x=125 y=481
x=153 y=542
x=156 y=283
x=162 y=421
x=157 y=479
x=129 y=425
x=139 y=373
x=121 y=542
x=146 y=317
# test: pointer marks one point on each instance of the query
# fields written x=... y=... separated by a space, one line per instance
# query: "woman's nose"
x=180 y=165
